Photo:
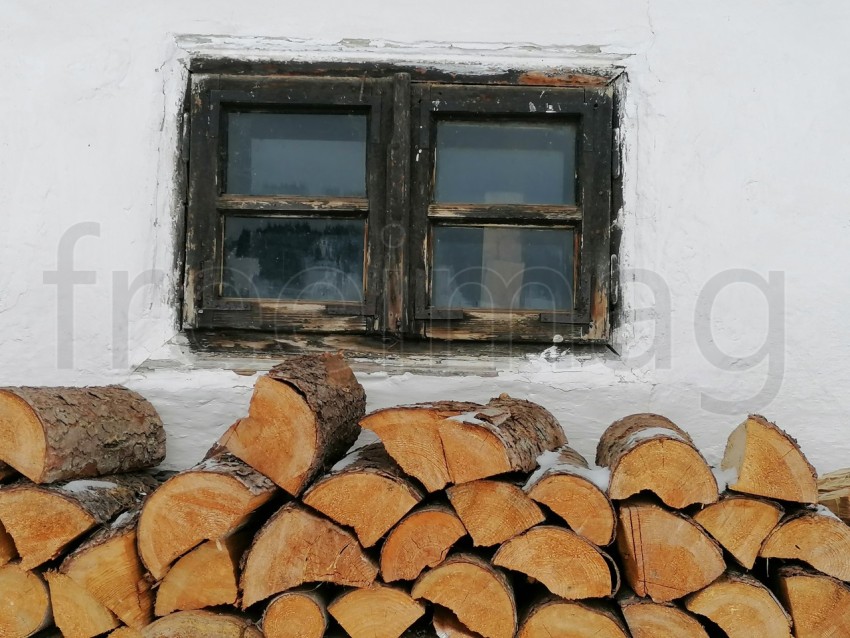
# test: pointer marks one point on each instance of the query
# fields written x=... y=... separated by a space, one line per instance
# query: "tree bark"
x=647 y=619
x=299 y=613
x=550 y=616
x=201 y=624
x=819 y=604
x=24 y=602
x=76 y=612
x=377 y=611
x=493 y=511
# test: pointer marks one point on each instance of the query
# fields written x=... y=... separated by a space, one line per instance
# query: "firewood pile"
x=310 y=518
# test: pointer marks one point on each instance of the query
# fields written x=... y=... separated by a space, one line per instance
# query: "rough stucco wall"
x=734 y=134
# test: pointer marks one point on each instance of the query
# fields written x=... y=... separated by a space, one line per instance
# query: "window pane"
x=311 y=154
x=294 y=258
x=506 y=163
x=502 y=268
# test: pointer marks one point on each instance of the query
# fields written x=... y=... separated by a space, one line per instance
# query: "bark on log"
x=76 y=612
x=377 y=611
x=299 y=613
x=647 y=619
x=295 y=547
x=203 y=503
x=447 y=625
x=7 y=546
x=55 y=434
x=24 y=602
x=302 y=418
x=367 y=491
x=819 y=605
x=44 y=519
x=768 y=462
x=201 y=624
x=550 y=616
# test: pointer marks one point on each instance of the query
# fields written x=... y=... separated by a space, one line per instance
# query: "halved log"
x=76 y=612
x=45 y=519
x=567 y=564
x=55 y=434
x=566 y=485
x=295 y=547
x=742 y=607
x=766 y=461
x=302 y=417
x=367 y=491
x=740 y=524
x=447 y=625
x=493 y=511
x=476 y=592
x=203 y=503
x=201 y=624
x=647 y=619
x=422 y=539
x=550 y=616
x=649 y=452
x=816 y=537
x=24 y=602
x=665 y=554
x=377 y=611
x=7 y=546
x=819 y=604
x=298 y=613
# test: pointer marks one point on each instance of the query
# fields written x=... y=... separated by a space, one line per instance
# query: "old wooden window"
x=396 y=206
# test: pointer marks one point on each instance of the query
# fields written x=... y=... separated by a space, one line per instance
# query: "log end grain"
x=76 y=612
x=377 y=611
x=819 y=605
x=553 y=617
x=296 y=614
x=816 y=537
x=24 y=602
x=493 y=511
x=201 y=624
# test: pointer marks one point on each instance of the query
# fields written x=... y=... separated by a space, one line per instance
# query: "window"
x=419 y=208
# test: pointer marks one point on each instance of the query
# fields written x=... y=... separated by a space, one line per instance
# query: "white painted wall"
x=735 y=137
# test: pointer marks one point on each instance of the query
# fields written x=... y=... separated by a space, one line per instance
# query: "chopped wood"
x=566 y=563
x=834 y=493
x=8 y=551
x=422 y=539
x=302 y=417
x=648 y=619
x=550 y=616
x=24 y=602
x=742 y=607
x=367 y=491
x=447 y=625
x=55 y=434
x=76 y=612
x=476 y=592
x=566 y=485
x=203 y=503
x=819 y=605
x=740 y=524
x=298 y=613
x=493 y=511
x=126 y=632
x=201 y=624
x=665 y=554
x=768 y=462
x=377 y=611
x=295 y=547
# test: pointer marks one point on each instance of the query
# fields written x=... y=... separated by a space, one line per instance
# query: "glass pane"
x=294 y=258
x=506 y=163
x=502 y=268
x=311 y=154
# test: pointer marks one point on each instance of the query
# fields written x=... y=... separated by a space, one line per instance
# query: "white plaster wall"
x=735 y=135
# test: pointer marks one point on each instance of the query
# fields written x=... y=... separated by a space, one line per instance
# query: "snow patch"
x=650 y=433
x=75 y=487
x=823 y=510
x=550 y=462
x=122 y=520
x=468 y=417
x=725 y=478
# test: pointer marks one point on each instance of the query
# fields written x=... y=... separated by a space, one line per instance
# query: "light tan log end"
x=377 y=611
x=421 y=539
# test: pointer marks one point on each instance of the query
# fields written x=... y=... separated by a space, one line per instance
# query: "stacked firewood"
x=309 y=518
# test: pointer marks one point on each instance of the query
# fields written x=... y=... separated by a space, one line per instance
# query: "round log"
x=296 y=614
x=24 y=602
x=377 y=611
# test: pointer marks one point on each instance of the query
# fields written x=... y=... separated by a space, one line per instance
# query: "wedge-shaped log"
x=647 y=619
x=203 y=503
x=478 y=594
x=742 y=607
x=298 y=613
x=295 y=547
x=550 y=616
x=302 y=417
x=367 y=491
x=665 y=554
x=566 y=563
x=55 y=434
x=816 y=537
x=649 y=452
x=740 y=524
x=566 y=485
x=768 y=462
x=24 y=602
x=493 y=511
x=201 y=624
x=422 y=539
x=45 y=519
x=819 y=604
x=7 y=546
x=76 y=612
x=377 y=611
x=447 y=625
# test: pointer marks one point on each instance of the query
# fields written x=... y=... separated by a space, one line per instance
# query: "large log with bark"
x=24 y=602
x=55 y=434
x=551 y=616
x=377 y=611
x=298 y=613
x=819 y=605
x=648 y=619
x=76 y=612
x=303 y=417
x=201 y=624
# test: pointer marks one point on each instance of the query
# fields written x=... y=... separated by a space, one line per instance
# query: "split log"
x=834 y=493
x=125 y=632
x=742 y=607
x=302 y=417
x=566 y=485
x=45 y=519
x=24 y=602
x=493 y=511
x=203 y=503
x=299 y=613
x=819 y=604
x=477 y=593
x=740 y=524
x=816 y=537
x=567 y=564
x=551 y=616
x=647 y=619
x=447 y=625
x=76 y=612
x=768 y=462
x=7 y=546
x=367 y=491
x=376 y=612
x=295 y=547
x=55 y=434
x=649 y=452
x=201 y=624
x=422 y=539
x=665 y=554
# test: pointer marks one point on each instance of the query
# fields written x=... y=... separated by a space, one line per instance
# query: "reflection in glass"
x=310 y=154
x=502 y=268
x=294 y=258
x=506 y=163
